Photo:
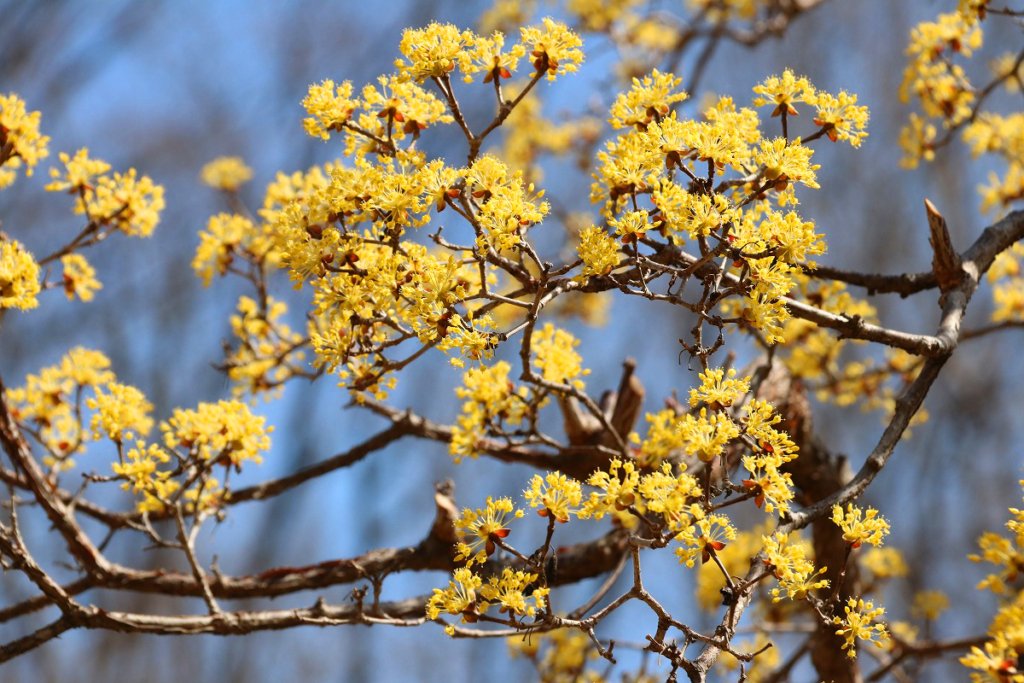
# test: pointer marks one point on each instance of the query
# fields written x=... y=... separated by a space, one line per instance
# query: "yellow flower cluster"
x=618 y=489
x=705 y=535
x=469 y=597
x=554 y=352
x=718 y=389
x=789 y=563
x=706 y=437
x=929 y=605
x=267 y=354
x=1002 y=136
x=769 y=247
x=857 y=625
x=140 y=470
x=554 y=48
x=459 y=597
x=555 y=494
x=662 y=438
x=479 y=529
x=19 y=277
x=917 y=139
x=21 y=143
x=491 y=400
x=129 y=203
x=80 y=172
x=784 y=91
x=840 y=117
x=669 y=495
x=435 y=51
x=786 y=161
x=225 y=432
x=49 y=400
x=885 y=563
x=940 y=85
x=510 y=590
x=226 y=236
x=771 y=487
x=1006 y=66
x=631 y=227
x=226 y=173
x=650 y=99
x=1007 y=276
x=860 y=526
x=565 y=653
x=1007 y=554
x=121 y=414
x=79 y=277
x=509 y=207
x=598 y=251
x=329 y=108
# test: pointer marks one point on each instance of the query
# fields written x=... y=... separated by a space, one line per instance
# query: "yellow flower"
x=120 y=414
x=704 y=535
x=859 y=526
x=1006 y=65
x=787 y=161
x=662 y=438
x=885 y=563
x=482 y=528
x=19 y=277
x=131 y=203
x=929 y=604
x=80 y=172
x=669 y=495
x=555 y=355
x=789 y=564
x=598 y=251
x=632 y=226
x=772 y=488
x=718 y=389
x=648 y=99
x=20 y=140
x=458 y=598
x=329 y=108
x=857 y=625
x=509 y=591
x=226 y=173
x=268 y=352
x=490 y=400
x=619 y=490
x=486 y=55
x=226 y=432
x=405 y=103
x=555 y=48
x=79 y=277
x=557 y=493
x=841 y=117
x=224 y=234
x=783 y=91
x=140 y=466
x=706 y=437
x=433 y=51
x=917 y=141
